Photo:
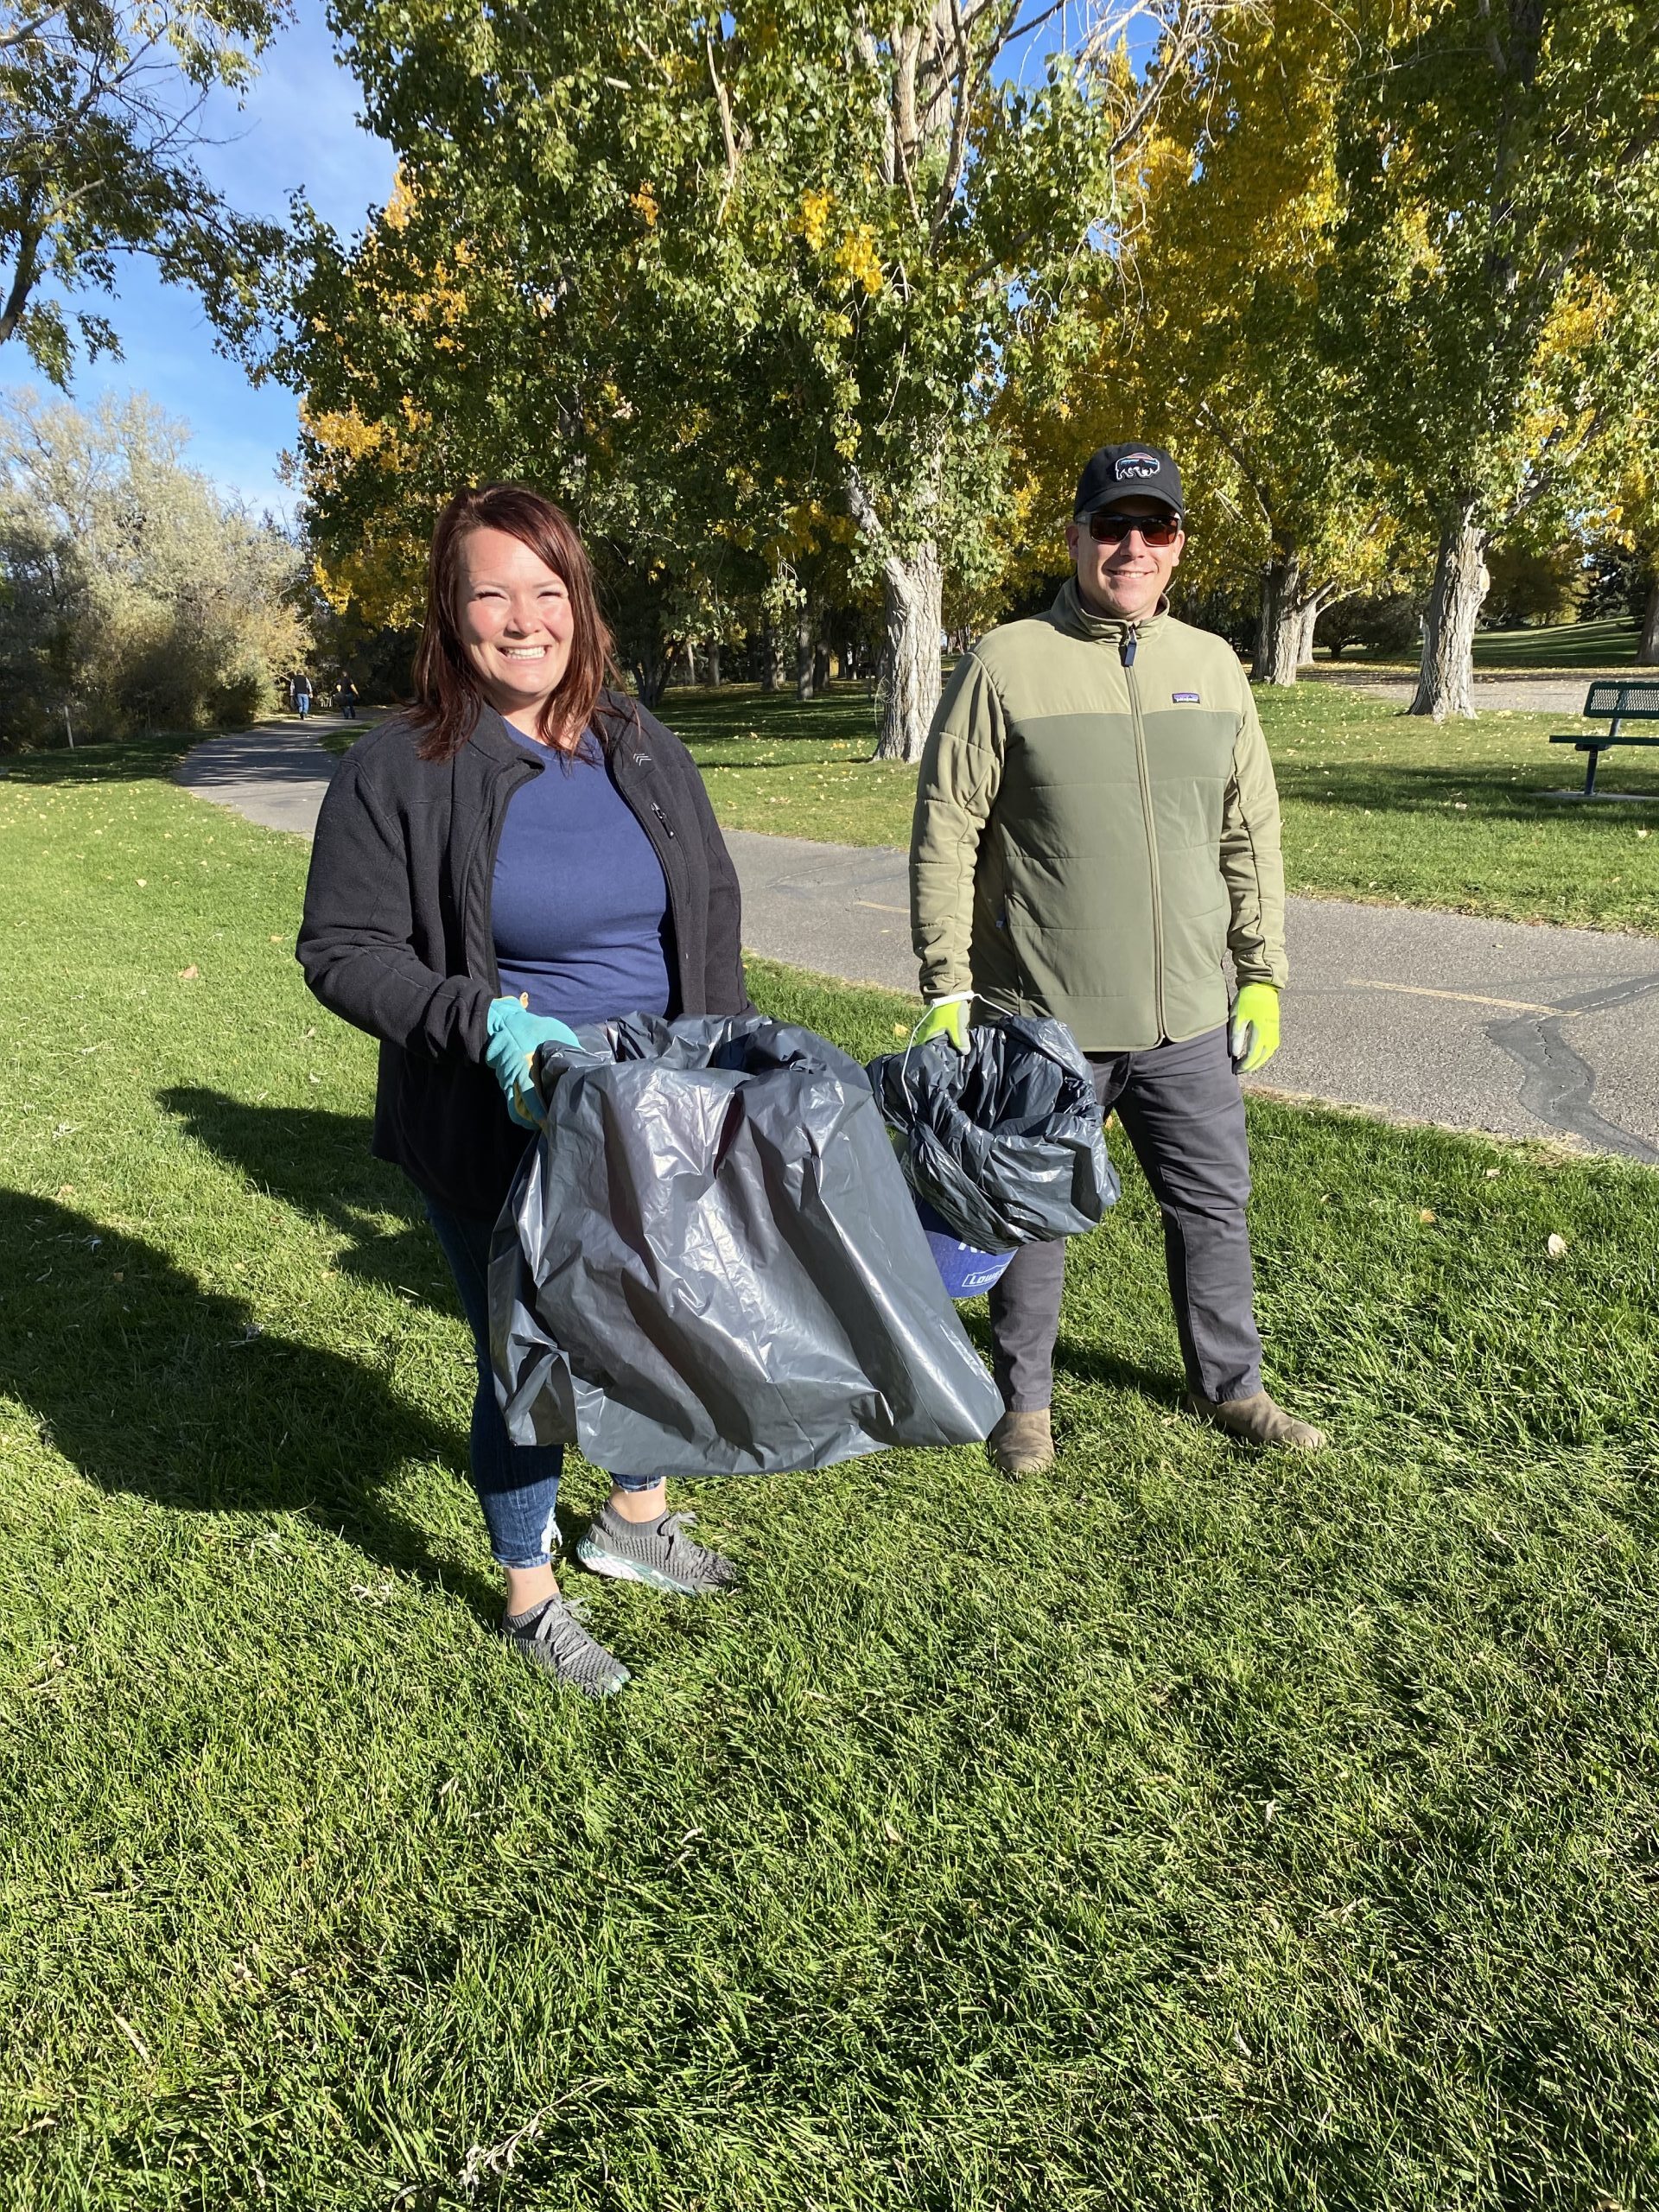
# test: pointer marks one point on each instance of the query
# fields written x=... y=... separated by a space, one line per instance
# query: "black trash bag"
x=708 y=1263
x=1004 y=1141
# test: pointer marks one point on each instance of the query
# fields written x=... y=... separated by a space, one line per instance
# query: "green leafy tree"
x=1500 y=169
x=739 y=262
x=132 y=595
x=101 y=104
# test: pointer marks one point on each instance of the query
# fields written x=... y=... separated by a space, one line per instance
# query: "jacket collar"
x=495 y=740
x=614 y=709
x=1070 y=613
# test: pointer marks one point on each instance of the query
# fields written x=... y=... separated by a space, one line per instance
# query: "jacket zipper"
x=521 y=773
x=638 y=810
x=1126 y=654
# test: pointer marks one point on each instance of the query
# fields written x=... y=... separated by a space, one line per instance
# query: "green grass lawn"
x=1377 y=804
x=1609 y=644
x=1189 y=1829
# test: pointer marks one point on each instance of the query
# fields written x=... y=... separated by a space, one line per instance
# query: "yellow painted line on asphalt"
x=1464 y=998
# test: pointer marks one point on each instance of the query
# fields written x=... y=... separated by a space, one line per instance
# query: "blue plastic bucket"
x=966 y=1271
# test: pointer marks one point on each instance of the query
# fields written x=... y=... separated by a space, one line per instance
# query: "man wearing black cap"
x=1096 y=829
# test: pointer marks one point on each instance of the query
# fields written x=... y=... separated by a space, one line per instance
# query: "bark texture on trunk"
x=771 y=658
x=711 y=663
x=1445 y=676
x=1310 y=617
x=1279 y=622
x=913 y=594
x=650 y=677
x=804 y=628
x=913 y=621
x=1647 y=650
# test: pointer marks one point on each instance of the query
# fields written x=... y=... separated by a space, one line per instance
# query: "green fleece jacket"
x=1097 y=827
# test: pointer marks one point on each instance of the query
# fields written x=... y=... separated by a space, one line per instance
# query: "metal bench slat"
x=1638 y=699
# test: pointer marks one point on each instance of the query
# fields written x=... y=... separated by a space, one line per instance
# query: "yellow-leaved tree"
x=1218 y=345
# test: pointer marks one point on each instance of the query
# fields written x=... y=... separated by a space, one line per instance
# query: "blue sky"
x=298 y=129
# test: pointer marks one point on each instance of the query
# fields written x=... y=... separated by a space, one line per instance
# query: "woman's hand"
x=516 y=1036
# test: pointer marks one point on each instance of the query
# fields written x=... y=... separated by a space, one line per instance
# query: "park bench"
x=1616 y=704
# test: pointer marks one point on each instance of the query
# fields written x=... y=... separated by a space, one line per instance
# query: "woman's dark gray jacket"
x=397 y=934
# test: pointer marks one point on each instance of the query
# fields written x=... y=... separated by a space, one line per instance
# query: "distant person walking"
x=1096 y=830
x=302 y=695
x=347 y=697
x=525 y=848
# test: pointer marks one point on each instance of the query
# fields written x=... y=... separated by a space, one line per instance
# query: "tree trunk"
x=771 y=658
x=1279 y=622
x=1310 y=617
x=821 y=666
x=711 y=664
x=1445 y=676
x=803 y=629
x=650 y=676
x=691 y=662
x=913 y=594
x=1647 y=650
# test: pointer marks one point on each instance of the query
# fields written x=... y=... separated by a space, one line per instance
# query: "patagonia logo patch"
x=1185 y=699
x=1132 y=468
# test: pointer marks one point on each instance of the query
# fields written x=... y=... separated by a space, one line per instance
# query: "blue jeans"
x=518 y=1485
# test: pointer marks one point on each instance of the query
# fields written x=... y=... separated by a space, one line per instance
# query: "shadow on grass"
x=739 y=767
x=132 y=760
x=151 y=1385
x=320 y=1164
x=1387 y=789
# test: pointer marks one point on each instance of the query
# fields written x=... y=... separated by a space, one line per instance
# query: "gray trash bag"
x=1004 y=1141
x=708 y=1263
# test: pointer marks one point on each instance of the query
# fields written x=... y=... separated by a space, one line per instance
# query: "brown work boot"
x=1022 y=1444
x=1258 y=1421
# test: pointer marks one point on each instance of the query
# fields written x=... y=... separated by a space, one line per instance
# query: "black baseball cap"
x=1127 y=471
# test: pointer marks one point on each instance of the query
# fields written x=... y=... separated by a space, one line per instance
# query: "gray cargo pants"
x=1182 y=1110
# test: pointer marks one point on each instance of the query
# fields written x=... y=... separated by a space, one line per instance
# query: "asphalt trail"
x=1523 y=1030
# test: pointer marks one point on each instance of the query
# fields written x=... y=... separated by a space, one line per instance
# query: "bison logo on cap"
x=1130 y=465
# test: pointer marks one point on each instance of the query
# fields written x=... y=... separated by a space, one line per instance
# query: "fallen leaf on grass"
x=189 y=974
x=1428 y=1213
x=1491 y=1172
x=1556 y=1247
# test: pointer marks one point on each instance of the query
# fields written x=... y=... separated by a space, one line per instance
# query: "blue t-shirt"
x=579 y=908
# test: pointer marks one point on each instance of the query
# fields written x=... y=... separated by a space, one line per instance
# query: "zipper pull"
x=662 y=818
x=1126 y=651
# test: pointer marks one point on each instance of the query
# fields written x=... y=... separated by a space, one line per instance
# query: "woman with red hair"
x=523 y=849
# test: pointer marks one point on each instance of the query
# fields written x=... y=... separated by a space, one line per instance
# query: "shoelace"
x=560 y=1629
x=694 y=1559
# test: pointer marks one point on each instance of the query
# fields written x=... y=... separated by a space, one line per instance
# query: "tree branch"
x=723 y=103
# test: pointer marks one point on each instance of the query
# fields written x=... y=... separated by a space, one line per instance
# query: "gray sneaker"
x=553 y=1636
x=659 y=1553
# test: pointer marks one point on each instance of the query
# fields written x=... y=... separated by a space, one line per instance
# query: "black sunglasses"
x=1107 y=527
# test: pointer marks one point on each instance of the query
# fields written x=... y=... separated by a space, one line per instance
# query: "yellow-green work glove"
x=949 y=1018
x=1254 y=1038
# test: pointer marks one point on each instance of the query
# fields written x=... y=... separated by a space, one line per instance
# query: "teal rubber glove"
x=516 y=1036
x=949 y=1018
x=1253 y=1037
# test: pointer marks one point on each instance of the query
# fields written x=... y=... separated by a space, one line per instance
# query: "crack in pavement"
x=1558 y=1083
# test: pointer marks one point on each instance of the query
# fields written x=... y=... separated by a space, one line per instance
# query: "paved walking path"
x=1528 y=1031
x=1515 y=690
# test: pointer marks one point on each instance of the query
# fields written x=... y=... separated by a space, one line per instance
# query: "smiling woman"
x=512 y=617
x=525 y=849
